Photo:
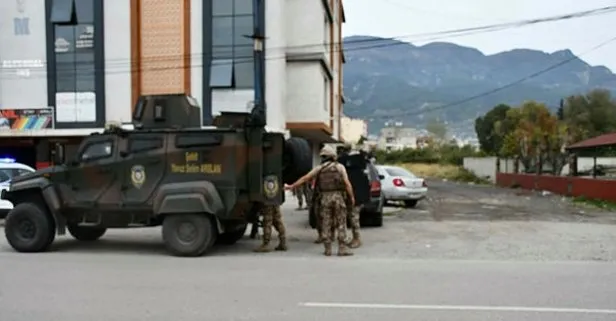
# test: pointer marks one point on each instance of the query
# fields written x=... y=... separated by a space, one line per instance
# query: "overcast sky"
x=392 y=18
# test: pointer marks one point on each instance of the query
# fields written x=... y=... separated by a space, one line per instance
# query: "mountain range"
x=390 y=80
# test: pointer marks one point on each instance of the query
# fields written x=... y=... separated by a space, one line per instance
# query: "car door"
x=144 y=167
x=94 y=176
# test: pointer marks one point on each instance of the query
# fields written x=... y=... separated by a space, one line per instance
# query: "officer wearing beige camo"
x=354 y=211
x=353 y=216
x=302 y=193
x=272 y=217
x=331 y=182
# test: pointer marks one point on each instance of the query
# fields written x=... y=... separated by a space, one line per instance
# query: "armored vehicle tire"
x=29 y=228
x=189 y=234
x=230 y=238
x=297 y=159
x=86 y=233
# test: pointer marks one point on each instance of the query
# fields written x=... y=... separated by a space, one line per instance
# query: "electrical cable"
x=382 y=42
x=495 y=90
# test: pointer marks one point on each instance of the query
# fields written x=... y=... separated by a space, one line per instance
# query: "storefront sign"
x=26 y=119
x=75 y=107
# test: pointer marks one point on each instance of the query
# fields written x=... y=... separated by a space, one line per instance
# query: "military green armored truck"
x=203 y=185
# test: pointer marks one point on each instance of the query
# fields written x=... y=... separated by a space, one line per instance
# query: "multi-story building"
x=70 y=66
x=396 y=137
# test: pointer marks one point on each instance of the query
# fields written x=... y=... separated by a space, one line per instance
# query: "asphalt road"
x=468 y=253
x=77 y=286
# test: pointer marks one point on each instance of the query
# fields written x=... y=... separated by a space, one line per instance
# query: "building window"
x=74 y=60
x=232 y=63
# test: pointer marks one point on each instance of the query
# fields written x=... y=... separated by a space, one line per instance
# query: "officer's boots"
x=343 y=251
x=356 y=241
x=282 y=244
x=328 y=249
x=264 y=248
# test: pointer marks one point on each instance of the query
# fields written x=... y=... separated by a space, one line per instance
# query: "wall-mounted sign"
x=21 y=24
x=22 y=67
x=26 y=119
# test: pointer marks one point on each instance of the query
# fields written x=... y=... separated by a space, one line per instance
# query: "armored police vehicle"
x=201 y=184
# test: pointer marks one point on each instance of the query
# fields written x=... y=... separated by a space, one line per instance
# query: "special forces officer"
x=354 y=211
x=303 y=192
x=331 y=182
x=272 y=217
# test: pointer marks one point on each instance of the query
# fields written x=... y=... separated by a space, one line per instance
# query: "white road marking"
x=455 y=308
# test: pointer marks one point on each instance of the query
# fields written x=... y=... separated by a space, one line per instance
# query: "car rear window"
x=399 y=172
x=374 y=174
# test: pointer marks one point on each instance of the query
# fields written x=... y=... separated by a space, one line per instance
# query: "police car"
x=9 y=169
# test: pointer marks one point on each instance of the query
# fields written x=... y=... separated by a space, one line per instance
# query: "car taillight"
x=424 y=184
x=375 y=188
x=398 y=182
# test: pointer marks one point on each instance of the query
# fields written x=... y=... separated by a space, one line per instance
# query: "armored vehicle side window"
x=144 y=144
x=198 y=140
x=97 y=151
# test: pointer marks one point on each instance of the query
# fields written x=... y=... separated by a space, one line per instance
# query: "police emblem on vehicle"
x=270 y=186
x=137 y=175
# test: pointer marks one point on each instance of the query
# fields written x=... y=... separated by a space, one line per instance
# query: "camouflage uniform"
x=332 y=208
x=303 y=192
x=272 y=217
x=353 y=217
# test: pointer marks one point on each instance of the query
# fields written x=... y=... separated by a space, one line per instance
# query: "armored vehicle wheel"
x=84 y=233
x=189 y=234
x=29 y=228
x=297 y=159
x=230 y=238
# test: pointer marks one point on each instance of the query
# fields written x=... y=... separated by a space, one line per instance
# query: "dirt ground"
x=483 y=223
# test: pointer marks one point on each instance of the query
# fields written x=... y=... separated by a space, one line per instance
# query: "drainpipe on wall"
x=258 y=113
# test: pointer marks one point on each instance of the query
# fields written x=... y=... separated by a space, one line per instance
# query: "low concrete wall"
x=486 y=166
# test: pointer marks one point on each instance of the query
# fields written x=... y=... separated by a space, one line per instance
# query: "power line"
x=495 y=90
x=381 y=42
x=434 y=12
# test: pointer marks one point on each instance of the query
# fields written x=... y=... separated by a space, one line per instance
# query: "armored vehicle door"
x=94 y=176
x=144 y=167
x=358 y=172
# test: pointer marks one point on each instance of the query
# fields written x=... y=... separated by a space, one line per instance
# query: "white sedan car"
x=399 y=184
x=9 y=169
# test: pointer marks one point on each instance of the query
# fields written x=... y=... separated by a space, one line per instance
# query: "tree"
x=538 y=137
x=491 y=129
x=437 y=127
x=590 y=115
x=361 y=140
x=560 y=112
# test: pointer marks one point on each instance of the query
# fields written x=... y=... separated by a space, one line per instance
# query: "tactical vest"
x=330 y=179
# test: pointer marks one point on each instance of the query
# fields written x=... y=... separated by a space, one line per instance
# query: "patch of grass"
x=441 y=171
x=605 y=205
x=393 y=212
